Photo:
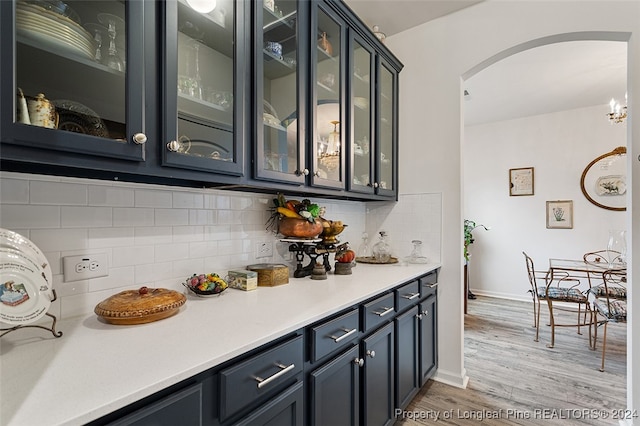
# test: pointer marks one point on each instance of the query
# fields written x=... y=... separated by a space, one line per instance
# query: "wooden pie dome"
x=140 y=306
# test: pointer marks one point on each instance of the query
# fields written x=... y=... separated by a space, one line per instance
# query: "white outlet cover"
x=84 y=267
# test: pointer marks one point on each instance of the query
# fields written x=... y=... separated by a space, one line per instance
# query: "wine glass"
x=115 y=25
x=99 y=32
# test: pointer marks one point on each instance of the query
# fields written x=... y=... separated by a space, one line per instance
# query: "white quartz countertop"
x=96 y=368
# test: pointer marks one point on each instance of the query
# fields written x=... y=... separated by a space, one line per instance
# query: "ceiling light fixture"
x=618 y=112
x=202 y=6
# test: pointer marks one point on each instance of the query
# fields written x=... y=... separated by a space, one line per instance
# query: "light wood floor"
x=510 y=372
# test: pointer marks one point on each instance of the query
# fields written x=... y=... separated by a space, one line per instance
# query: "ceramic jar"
x=42 y=112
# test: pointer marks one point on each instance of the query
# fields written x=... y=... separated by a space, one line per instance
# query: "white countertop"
x=96 y=368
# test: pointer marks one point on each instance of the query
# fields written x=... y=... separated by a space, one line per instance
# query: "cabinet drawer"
x=259 y=376
x=333 y=335
x=377 y=311
x=428 y=284
x=407 y=295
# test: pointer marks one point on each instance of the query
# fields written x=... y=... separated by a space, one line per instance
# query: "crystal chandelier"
x=618 y=112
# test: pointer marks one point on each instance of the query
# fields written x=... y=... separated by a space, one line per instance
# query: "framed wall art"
x=603 y=181
x=521 y=181
x=560 y=214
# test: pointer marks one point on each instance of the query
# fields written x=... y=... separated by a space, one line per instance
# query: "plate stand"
x=314 y=248
x=52 y=329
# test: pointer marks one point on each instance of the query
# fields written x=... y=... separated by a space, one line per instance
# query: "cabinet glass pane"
x=206 y=81
x=70 y=66
x=362 y=136
x=386 y=128
x=279 y=82
x=328 y=143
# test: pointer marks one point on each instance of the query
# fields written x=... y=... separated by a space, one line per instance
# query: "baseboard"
x=510 y=296
x=452 y=379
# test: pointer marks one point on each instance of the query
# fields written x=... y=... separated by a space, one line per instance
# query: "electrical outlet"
x=86 y=266
x=264 y=249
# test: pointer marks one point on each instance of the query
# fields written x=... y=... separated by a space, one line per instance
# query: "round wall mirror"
x=603 y=181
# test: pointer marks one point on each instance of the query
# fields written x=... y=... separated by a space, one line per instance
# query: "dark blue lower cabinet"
x=407 y=356
x=378 y=381
x=286 y=409
x=335 y=390
x=181 y=408
x=428 y=329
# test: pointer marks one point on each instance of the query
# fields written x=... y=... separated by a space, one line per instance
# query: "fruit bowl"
x=330 y=230
x=299 y=228
x=205 y=285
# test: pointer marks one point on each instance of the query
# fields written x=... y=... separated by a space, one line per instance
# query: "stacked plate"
x=25 y=280
x=52 y=29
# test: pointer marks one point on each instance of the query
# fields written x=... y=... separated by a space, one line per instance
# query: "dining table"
x=577 y=269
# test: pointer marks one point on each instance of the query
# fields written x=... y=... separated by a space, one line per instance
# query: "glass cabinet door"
x=280 y=119
x=386 y=159
x=203 y=93
x=362 y=71
x=328 y=114
x=77 y=85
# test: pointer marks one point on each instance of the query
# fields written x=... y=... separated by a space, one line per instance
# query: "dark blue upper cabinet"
x=204 y=86
x=280 y=115
x=273 y=95
x=77 y=83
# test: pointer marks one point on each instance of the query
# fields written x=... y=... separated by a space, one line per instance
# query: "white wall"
x=438 y=54
x=558 y=146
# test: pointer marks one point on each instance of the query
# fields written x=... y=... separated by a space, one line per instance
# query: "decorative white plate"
x=54 y=29
x=24 y=294
x=15 y=241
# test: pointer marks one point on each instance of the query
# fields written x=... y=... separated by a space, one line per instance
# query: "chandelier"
x=618 y=112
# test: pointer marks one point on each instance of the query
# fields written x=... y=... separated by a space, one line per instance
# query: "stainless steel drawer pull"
x=432 y=285
x=410 y=296
x=346 y=334
x=263 y=382
x=385 y=312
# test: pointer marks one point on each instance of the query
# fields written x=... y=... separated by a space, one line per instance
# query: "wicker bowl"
x=299 y=228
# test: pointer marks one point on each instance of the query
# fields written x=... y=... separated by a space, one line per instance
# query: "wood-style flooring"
x=522 y=382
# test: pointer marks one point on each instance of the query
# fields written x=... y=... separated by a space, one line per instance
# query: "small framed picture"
x=560 y=214
x=521 y=181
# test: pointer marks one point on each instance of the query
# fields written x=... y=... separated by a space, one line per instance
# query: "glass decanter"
x=382 y=249
x=365 y=249
x=416 y=254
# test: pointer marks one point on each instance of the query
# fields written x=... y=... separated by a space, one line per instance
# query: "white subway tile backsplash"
x=153 y=198
x=158 y=236
x=133 y=217
x=14 y=191
x=111 y=237
x=188 y=200
x=153 y=235
x=57 y=193
x=26 y=216
x=85 y=217
x=171 y=217
x=171 y=252
x=103 y=195
x=60 y=239
x=132 y=255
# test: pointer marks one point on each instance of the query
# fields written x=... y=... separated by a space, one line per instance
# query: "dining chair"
x=562 y=288
x=609 y=305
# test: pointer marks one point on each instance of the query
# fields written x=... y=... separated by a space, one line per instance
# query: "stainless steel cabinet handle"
x=359 y=362
x=386 y=311
x=173 y=146
x=263 y=382
x=375 y=184
x=419 y=316
x=139 y=138
x=410 y=296
x=302 y=172
x=345 y=335
x=425 y=312
x=371 y=354
x=431 y=285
